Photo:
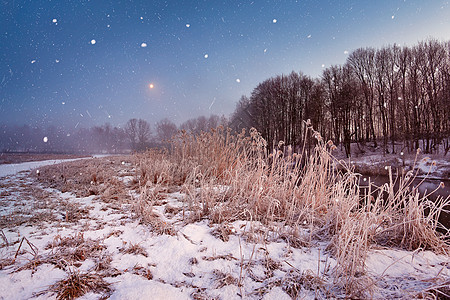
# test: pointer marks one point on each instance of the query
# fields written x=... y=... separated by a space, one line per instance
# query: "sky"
x=84 y=63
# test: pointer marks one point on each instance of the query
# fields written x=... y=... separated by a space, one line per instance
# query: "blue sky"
x=201 y=56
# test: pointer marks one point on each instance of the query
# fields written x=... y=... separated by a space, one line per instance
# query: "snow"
x=143 y=45
x=189 y=262
x=127 y=289
x=206 y=56
x=93 y=42
x=10 y=169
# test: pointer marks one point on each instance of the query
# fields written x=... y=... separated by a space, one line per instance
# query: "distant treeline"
x=135 y=135
x=379 y=96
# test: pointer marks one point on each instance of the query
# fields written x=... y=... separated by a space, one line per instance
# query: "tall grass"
x=228 y=177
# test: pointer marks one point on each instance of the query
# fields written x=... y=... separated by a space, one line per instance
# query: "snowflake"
x=274 y=21
x=54 y=21
x=188 y=25
x=93 y=42
x=238 y=80
x=45 y=139
x=143 y=45
x=206 y=56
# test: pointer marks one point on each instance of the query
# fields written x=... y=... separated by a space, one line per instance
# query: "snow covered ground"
x=48 y=236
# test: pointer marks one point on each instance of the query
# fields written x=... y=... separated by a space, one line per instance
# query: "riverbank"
x=212 y=219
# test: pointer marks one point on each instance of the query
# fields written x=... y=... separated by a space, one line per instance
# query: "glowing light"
x=151 y=85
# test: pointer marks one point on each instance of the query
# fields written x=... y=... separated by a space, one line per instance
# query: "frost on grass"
x=217 y=217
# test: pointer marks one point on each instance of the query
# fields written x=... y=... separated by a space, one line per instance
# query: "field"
x=16 y=158
x=217 y=217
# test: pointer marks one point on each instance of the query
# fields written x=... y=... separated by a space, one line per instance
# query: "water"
x=425 y=187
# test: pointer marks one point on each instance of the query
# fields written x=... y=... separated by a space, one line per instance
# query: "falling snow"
x=188 y=25
x=45 y=139
x=238 y=80
x=206 y=56
x=274 y=21
x=143 y=45
x=93 y=42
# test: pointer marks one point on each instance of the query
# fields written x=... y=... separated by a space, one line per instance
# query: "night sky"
x=85 y=63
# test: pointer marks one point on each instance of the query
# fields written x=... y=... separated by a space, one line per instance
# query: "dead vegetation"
x=77 y=284
x=228 y=177
x=88 y=177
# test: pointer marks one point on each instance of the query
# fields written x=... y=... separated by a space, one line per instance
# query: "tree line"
x=135 y=135
x=379 y=97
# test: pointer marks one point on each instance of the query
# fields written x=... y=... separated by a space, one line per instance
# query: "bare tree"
x=165 y=130
x=131 y=131
x=143 y=134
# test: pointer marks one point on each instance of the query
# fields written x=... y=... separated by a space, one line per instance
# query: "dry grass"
x=230 y=177
x=88 y=177
x=77 y=284
x=134 y=249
